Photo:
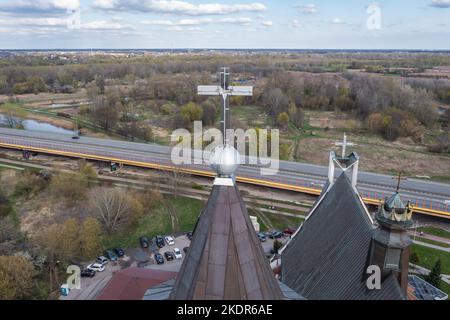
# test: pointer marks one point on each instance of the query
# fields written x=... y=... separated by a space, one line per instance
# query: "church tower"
x=391 y=242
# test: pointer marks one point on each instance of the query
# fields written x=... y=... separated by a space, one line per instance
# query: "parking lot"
x=140 y=257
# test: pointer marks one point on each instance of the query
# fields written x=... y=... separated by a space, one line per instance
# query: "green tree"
x=191 y=112
x=283 y=120
x=16 y=278
x=277 y=244
x=91 y=238
x=434 y=277
x=70 y=186
x=414 y=258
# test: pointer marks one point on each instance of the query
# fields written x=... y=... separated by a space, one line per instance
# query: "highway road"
x=425 y=194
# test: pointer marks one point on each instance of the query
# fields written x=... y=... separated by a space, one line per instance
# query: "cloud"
x=267 y=23
x=177 y=7
x=307 y=8
x=106 y=25
x=242 y=21
x=440 y=3
x=337 y=21
x=239 y=21
x=296 y=24
x=39 y=6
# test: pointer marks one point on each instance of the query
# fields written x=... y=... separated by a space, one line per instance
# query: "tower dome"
x=225 y=160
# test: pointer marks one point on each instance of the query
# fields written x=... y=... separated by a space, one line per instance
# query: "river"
x=33 y=125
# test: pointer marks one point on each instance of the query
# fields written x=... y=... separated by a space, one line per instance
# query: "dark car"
x=75 y=137
x=120 y=252
x=290 y=231
x=169 y=255
x=159 y=241
x=144 y=242
x=87 y=273
x=159 y=258
x=261 y=237
x=189 y=235
x=111 y=255
x=185 y=249
x=276 y=235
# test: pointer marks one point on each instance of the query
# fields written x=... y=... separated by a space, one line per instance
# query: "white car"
x=96 y=267
x=101 y=260
x=177 y=253
x=169 y=240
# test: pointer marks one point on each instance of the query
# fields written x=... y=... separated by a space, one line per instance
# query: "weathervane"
x=399 y=178
x=225 y=91
x=344 y=144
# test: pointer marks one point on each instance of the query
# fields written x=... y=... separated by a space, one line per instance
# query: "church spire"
x=225 y=260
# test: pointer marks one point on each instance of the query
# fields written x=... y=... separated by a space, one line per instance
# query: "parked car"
x=276 y=235
x=111 y=255
x=120 y=252
x=102 y=260
x=290 y=231
x=96 y=267
x=189 y=235
x=159 y=241
x=159 y=258
x=177 y=253
x=169 y=255
x=169 y=240
x=87 y=273
x=144 y=242
x=185 y=249
x=261 y=237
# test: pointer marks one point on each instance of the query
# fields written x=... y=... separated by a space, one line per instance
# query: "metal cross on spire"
x=399 y=178
x=344 y=145
x=225 y=91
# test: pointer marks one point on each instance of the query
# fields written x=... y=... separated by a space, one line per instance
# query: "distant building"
x=328 y=256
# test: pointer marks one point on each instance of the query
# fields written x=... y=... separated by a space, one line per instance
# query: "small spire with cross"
x=344 y=145
x=399 y=176
x=225 y=91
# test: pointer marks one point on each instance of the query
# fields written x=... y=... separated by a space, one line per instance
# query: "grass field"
x=435 y=232
x=429 y=256
x=158 y=222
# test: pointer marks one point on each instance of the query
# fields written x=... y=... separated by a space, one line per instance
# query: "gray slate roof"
x=328 y=257
x=225 y=259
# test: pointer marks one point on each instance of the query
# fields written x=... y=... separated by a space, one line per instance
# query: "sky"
x=311 y=24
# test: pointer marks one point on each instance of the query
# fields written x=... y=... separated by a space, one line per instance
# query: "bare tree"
x=111 y=207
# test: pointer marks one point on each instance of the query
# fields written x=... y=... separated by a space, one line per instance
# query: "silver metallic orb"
x=225 y=160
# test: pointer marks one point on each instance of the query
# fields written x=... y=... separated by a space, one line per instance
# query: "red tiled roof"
x=131 y=283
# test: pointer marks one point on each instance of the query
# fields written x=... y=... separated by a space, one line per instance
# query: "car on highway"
x=98 y=267
x=102 y=260
x=87 y=273
x=169 y=240
x=111 y=255
x=119 y=252
x=159 y=241
x=144 y=242
x=189 y=235
x=159 y=258
x=261 y=236
x=276 y=235
x=169 y=255
x=177 y=253
x=75 y=137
